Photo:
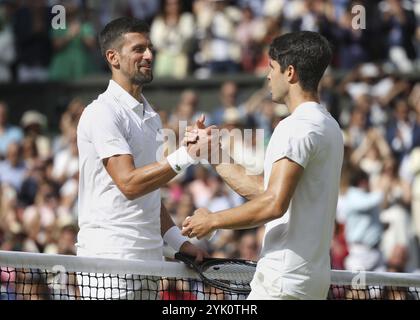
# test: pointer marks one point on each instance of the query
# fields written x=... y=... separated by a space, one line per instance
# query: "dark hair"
x=308 y=52
x=114 y=30
x=358 y=176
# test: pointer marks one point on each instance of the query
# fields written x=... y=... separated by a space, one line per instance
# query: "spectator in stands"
x=356 y=129
x=13 y=168
x=34 y=124
x=220 y=200
x=7 y=44
x=250 y=34
x=171 y=33
x=351 y=42
x=248 y=246
x=339 y=249
x=203 y=187
x=395 y=216
x=400 y=23
x=39 y=219
x=371 y=154
x=66 y=161
x=329 y=95
x=216 y=23
x=31 y=24
x=72 y=57
x=38 y=290
x=143 y=9
x=315 y=16
x=67 y=125
x=414 y=166
x=64 y=244
x=9 y=220
x=184 y=208
x=177 y=289
x=187 y=111
x=229 y=100
x=8 y=132
x=399 y=132
x=363 y=228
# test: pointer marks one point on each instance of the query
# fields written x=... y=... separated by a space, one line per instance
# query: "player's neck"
x=293 y=100
x=134 y=90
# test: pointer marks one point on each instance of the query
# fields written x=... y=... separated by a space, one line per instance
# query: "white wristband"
x=174 y=238
x=180 y=160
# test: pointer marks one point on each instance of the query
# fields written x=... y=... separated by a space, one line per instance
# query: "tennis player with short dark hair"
x=297 y=198
x=121 y=166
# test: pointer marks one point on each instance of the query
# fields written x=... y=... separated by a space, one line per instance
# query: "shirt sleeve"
x=107 y=133
x=298 y=147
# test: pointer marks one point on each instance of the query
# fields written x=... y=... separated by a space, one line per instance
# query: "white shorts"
x=269 y=283
x=282 y=296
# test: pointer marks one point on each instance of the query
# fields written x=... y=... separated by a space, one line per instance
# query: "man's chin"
x=143 y=79
x=277 y=99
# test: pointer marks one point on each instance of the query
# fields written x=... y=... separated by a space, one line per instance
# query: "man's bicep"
x=107 y=132
x=284 y=177
x=119 y=167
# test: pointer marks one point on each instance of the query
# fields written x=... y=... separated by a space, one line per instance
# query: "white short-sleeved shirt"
x=110 y=224
x=295 y=255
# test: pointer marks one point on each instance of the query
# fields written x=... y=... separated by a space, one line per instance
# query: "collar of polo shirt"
x=127 y=99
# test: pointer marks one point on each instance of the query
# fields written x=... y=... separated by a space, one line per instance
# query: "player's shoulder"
x=99 y=112
x=101 y=108
x=294 y=126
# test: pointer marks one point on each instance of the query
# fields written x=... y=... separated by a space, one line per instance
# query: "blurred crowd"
x=378 y=212
x=378 y=109
x=202 y=37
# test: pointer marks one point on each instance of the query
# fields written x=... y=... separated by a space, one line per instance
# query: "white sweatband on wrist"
x=174 y=238
x=180 y=160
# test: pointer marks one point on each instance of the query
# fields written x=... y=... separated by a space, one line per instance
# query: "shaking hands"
x=202 y=142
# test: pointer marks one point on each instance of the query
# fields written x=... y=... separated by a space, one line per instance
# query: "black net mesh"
x=36 y=284
x=38 y=277
x=373 y=292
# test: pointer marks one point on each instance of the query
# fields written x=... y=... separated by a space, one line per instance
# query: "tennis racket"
x=233 y=275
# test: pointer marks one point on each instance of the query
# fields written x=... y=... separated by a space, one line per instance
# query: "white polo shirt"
x=110 y=224
x=295 y=255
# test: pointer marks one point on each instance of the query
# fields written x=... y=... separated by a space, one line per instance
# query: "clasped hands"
x=201 y=142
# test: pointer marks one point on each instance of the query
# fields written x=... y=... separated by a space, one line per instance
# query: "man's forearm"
x=254 y=213
x=143 y=180
x=235 y=175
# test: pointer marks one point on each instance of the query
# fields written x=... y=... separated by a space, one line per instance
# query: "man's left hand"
x=192 y=250
x=199 y=225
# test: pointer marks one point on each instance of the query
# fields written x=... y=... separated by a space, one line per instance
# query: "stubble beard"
x=141 y=78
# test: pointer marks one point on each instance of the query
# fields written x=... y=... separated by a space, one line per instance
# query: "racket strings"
x=236 y=273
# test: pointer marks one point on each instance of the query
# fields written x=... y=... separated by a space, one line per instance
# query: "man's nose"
x=148 y=54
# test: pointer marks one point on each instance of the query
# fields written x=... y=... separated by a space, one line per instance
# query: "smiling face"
x=133 y=59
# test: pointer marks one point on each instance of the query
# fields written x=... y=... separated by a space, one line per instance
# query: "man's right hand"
x=191 y=132
x=201 y=141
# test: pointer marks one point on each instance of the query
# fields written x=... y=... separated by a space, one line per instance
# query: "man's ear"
x=292 y=76
x=113 y=58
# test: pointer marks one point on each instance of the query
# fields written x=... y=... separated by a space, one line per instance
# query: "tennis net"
x=35 y=276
